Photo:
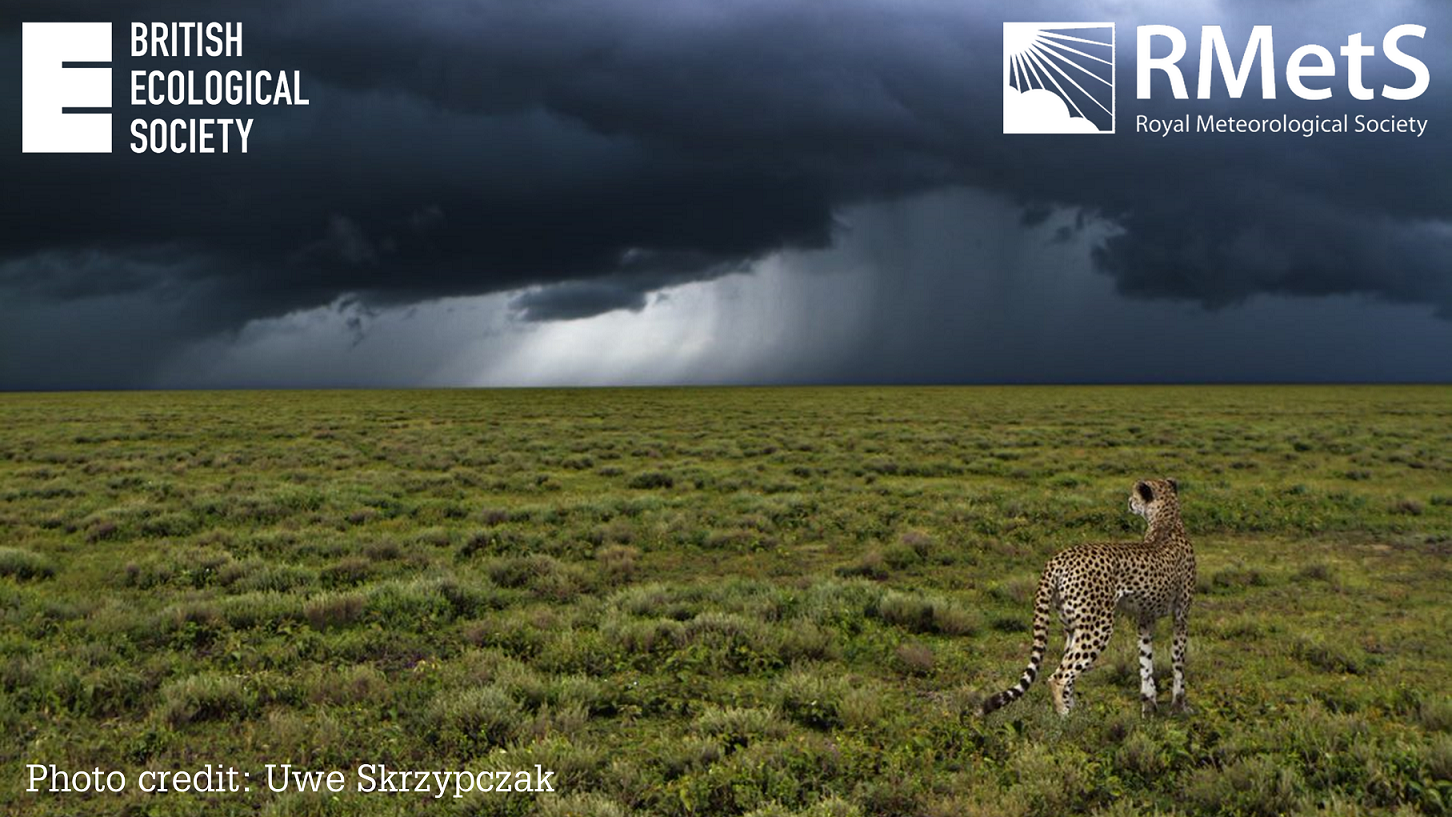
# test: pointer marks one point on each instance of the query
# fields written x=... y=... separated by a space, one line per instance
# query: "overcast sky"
x=723 y=191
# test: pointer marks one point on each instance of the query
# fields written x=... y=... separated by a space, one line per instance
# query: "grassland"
x=764 y=602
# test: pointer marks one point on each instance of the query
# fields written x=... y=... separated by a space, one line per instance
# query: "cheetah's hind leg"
x=1063 y=701
x=1177 y=654
x=1088 y=641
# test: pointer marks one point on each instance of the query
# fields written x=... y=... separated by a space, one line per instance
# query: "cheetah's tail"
x=1043 y=606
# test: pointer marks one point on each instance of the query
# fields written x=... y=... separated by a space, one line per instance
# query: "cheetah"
x=1086 y=583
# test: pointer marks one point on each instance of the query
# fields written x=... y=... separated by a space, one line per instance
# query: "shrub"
x=1439 y=758
x=810 y=699
x=915 y=658
x=829 y=806
x=837 y=604
x=1409 y=507
x=899 y=794
x=652 y=480
x=511 y=633
x=1434 y=713
x=872 y=565
x=917 y=541
x=357 y=684
x=729 y=642
x=768 y=772
x=348 y=572
x=249 y=610
x=1051 y=780
x=617 y=561
x=643 y=637
x=1254 y=786
x=102 y=529
x=1320 y=571
x=927 y=614
x=832 y=806
x=254 y=575
x=434 y=537
x=862 y=705
x=1007 y=624
x=176 y=524
x=1017 y=592
x=1233 y=578
x=802 y=639
x=544 y=576
x=383 y=550
x=581 y=805
x=951 y=619
x=580 y=691
x=1140 y=755
x=147 y=575
x=204 y=697
x=739 y=539
x=655 y=599
x=194 y=568
x=494 y=541
x=495 y=668
x=735 y=727
x=328 y=610
x=468 y=720
x=576 y=763
x=1329 y=656
x=901 y=557
x=314 y=738
x=558 y=721
x=689 y=753
x=180 y=616
x=418 y=602
x=732 y=642
x=24 y=564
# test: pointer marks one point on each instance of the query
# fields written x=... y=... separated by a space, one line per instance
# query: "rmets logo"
x=1058 y=78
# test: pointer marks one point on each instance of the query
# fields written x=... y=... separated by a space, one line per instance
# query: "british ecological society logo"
x=66 y=80
x=65 y=89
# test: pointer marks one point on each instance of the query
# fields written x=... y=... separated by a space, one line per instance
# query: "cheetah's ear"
x=1145 y=491
x=1174 y=486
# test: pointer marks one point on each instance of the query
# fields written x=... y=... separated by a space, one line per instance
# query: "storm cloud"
x=587 y=156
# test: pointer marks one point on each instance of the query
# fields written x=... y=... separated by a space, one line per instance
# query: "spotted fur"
x=1147 y=580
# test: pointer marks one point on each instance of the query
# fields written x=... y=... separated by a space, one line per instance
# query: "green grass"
x=719 y=601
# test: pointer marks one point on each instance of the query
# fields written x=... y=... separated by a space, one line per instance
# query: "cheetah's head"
x=1150 y=496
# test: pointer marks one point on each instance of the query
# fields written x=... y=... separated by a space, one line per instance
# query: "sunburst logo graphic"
x=1058 y=77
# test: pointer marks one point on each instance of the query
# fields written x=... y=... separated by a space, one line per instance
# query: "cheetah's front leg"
x=1147 y=691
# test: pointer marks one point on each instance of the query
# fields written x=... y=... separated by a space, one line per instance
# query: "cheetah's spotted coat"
x=1148 y=580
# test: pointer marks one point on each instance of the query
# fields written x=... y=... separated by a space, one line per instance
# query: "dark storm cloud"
x=1296 y=247
x=1218 y=219
x=550 y=142
x=596 y=152
x=637 y=273
x=579 y=299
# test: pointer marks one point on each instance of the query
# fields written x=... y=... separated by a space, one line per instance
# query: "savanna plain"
x=719 y=601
